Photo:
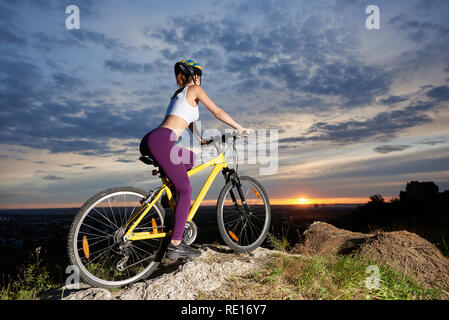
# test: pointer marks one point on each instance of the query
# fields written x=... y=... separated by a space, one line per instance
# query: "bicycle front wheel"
x=96 y=245
x=243 y=227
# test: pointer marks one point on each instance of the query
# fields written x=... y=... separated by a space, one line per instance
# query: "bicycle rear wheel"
x=96 y=246
x=243 y=227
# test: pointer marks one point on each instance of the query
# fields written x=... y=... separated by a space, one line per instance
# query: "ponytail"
x=181 y=81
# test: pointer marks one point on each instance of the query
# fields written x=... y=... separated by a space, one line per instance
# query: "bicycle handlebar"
x=227 y=135
x=223 y=137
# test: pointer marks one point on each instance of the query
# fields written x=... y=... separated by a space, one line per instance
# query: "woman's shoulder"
x=196 y=89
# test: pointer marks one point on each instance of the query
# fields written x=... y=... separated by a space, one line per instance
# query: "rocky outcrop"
x=204 y=274
x=401 y=250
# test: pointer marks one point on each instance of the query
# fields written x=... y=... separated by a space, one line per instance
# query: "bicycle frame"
x=218 y=164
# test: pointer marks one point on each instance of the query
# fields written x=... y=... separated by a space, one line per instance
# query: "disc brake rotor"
x=190 y=233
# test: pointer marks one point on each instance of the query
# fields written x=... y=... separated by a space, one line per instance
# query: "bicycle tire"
x=73 y=239
x=224 y=228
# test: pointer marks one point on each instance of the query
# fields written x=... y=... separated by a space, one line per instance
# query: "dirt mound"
x=324 y=239
x=401 y=250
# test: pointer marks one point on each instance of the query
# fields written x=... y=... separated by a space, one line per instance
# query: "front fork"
x=231 y=174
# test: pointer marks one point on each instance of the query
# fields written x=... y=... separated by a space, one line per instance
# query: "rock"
x=205 y=273
x=90 y=294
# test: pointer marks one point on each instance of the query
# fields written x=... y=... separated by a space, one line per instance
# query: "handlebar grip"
x=223 y=137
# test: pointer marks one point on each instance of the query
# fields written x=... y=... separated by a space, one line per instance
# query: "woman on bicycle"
x=160 y=144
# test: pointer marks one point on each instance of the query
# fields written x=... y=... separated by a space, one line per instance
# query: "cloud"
x=10 y=37
x=309 y=55
x=244 y=65
x=419 y=31
x=75 y=38
x=430 y=34
x=383 y=126
x=125 y=160
x=300 y=53
x=98 y=38
x=248 y=85
x=127 y=67
x=65 y=81
x=52 y=178
x=358 y=84
x=89 y=8
x=393 y=100
x=49 y=43
x=19 y=80
x=391 y=148
x=6 y=14
x=391 y=167
x=439 y=93
x=434 y=141
x=31 y=117
x=70 y=165
x=430 y=4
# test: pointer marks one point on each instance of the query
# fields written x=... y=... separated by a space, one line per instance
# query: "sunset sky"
x=358 y=111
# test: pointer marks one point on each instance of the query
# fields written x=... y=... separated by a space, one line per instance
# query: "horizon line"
x=207 y=202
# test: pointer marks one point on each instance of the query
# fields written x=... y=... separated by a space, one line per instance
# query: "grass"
x=33 y=280
x=279 y=244
x=279 y=241
x=317 y=277
x=346 y=277
x=280 y=277
x=324 y=278
x=444 y=247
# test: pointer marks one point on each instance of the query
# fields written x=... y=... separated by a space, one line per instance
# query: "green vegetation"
x=33 y=280
x=324 y=278
x=331 y=277
x=336 y=277
x=339 y=277
x=444 y=246
x=279 y=244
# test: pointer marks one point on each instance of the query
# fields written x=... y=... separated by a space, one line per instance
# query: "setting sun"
x=303 y=201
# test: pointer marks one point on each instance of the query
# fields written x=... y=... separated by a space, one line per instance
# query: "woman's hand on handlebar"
x=243 y=132
x=204 y=141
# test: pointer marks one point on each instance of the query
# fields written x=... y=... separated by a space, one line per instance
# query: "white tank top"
x=180 y=107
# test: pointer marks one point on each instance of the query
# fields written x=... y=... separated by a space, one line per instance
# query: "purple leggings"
x=174 y=162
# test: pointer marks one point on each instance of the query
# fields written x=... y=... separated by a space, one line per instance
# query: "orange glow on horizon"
x=207 y=202
x=313 y=201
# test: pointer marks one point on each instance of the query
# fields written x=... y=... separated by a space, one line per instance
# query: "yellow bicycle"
x=120 y=236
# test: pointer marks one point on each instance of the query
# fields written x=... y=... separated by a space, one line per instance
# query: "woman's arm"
x=194 y=130
x=219 y=113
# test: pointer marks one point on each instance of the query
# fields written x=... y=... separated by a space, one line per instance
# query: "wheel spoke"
x=99 y=236
x=249 y=227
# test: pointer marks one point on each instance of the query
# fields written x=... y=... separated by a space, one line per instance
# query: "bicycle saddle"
x=149 y=160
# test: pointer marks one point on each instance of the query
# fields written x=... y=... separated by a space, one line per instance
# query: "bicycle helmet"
x=188 y=68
